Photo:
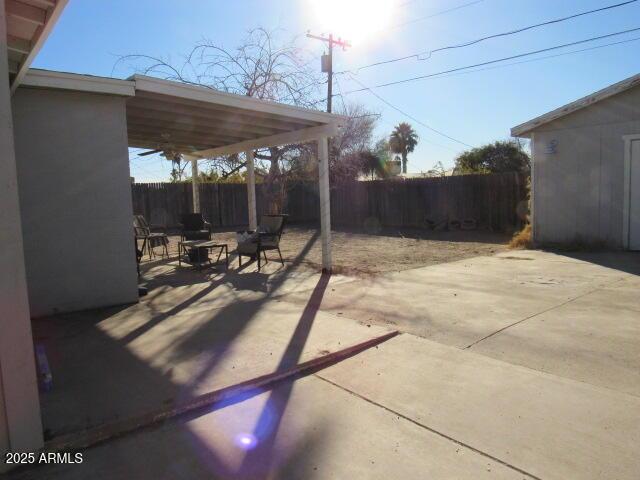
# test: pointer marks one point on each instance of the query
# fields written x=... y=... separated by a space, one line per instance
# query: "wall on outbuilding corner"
x=579 y=182
x=75 y=199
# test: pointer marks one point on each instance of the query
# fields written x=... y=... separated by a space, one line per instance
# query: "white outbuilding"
x=585 y=183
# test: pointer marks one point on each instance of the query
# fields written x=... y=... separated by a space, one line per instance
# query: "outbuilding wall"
x=75 y=199
x=578 y=177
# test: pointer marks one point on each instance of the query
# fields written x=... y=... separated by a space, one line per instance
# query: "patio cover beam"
x=181 y=136
x=296 y=136
x=171 y=119
x=141 y=141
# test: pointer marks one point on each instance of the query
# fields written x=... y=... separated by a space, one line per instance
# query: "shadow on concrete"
x=628 y=262
x=97 y=379
x=258 y=462
x=233 y=318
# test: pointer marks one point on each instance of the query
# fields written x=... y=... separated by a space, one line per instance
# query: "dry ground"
x=360 y=253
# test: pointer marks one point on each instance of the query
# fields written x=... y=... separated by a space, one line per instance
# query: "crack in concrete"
x=601 y=287
x=432 y=430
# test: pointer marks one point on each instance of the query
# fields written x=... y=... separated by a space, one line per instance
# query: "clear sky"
x=474 y=107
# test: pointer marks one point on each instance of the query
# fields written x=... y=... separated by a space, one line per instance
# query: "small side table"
x=200 y=246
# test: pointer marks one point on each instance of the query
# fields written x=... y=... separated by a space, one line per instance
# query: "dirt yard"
x=361 y=253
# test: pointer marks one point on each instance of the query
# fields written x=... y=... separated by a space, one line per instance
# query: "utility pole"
x=327 y=62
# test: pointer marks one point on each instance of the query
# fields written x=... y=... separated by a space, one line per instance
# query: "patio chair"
x=267 y=237
x=150 y=240
x=194 y=227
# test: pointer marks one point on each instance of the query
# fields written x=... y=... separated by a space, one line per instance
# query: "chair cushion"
x=192 y=221
x=247 y=248
x=246 y=236
x=269 y=242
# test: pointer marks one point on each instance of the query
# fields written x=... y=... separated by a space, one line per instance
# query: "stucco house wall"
x=75 y=199
x=578 y=173
x=20 y=424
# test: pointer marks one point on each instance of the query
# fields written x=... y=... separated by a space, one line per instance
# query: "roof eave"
x=38 y=42
x=521 y=131
x=525 y=129
x=36 y=78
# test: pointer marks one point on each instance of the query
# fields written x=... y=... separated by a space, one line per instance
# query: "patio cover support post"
x=251 y=191
x=20 y=424
x=325 y=202
x=194 y=183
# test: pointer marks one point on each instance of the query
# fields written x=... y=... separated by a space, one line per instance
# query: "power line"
x=408 y=115
x=344 y=107
x=429 y=53
x=426 y=17
x=415 y=20
x=530 y=27
x=543 y=58
x=401 y=25
x=502 y=66
x=422 y=77
x=375 y=115
x=394 y=27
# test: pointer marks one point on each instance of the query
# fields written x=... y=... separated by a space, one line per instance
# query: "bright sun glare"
x=353 y=20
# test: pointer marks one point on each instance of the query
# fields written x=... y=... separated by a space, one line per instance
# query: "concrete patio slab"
x=306 y=430
x=529 y=369
x=594 y=339
x=170 y=286
x=113 y=364
x=550 y=427
x=461 y=302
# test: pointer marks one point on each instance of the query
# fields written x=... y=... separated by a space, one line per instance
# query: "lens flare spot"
x=246 y=441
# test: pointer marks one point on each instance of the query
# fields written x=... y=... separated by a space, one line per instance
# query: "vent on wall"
x=551 y=147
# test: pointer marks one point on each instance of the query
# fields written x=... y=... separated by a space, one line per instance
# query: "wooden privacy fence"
x=495 y=201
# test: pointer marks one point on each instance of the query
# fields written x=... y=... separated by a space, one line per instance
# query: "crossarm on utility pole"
x=329 y=64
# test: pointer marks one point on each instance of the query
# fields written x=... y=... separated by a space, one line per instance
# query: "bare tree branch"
x=262 y=67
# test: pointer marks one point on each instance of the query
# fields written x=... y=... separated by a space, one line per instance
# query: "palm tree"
x=372 y=164
x=403 y=140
